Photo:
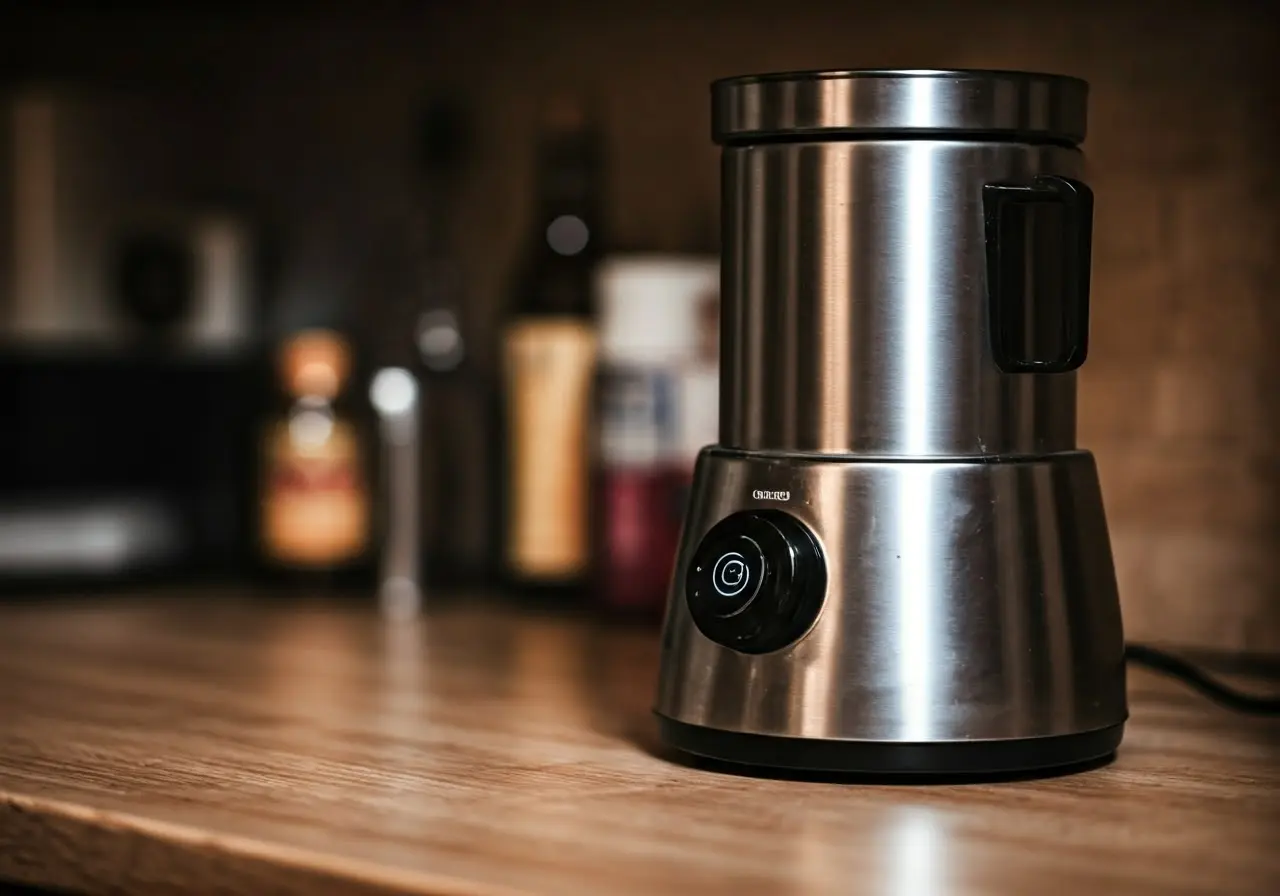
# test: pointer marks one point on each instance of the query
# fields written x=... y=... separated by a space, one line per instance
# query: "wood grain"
x=222 y=746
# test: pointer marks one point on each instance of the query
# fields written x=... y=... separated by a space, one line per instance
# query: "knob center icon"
x=730 y=575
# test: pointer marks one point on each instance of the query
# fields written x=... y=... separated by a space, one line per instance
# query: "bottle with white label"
x=548 y=357
x=653 y=418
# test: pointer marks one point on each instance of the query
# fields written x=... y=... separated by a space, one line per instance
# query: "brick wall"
x=1181 y=397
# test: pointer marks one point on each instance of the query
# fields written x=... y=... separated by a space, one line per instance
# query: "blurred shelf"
x=233 y=746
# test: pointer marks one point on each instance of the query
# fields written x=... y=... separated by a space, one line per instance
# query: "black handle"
x=1038 y=240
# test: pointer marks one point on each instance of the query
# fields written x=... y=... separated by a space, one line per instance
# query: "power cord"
x=1176 y=667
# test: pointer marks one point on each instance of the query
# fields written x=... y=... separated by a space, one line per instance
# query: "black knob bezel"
x=788 y=598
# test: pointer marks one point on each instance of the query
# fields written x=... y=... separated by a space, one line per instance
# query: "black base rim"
x=959 y=758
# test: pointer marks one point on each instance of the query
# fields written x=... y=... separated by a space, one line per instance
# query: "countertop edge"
x=52 y=843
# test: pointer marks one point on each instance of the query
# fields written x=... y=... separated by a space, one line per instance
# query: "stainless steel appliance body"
x=897 y=559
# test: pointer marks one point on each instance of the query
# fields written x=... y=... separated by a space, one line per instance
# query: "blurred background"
x=222 y=223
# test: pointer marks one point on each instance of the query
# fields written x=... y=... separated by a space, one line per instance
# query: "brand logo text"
x=762 y=495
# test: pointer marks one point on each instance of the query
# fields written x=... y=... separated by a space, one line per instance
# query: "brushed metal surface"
x=1025 y=104
x=965 y=600
x=854 y=302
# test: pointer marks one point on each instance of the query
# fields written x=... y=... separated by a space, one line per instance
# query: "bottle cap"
x=315 y=363
x=652 y=308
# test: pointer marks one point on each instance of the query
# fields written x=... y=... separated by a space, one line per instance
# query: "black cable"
x=1175 y=667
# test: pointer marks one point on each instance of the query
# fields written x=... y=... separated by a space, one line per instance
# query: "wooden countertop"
x=217 y=746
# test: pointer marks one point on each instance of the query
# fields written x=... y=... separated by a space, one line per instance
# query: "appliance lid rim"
x=950 y=74
x=847 y=101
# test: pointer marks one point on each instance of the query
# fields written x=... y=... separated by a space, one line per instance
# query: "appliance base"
x=990 y=757
x=970 y=615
